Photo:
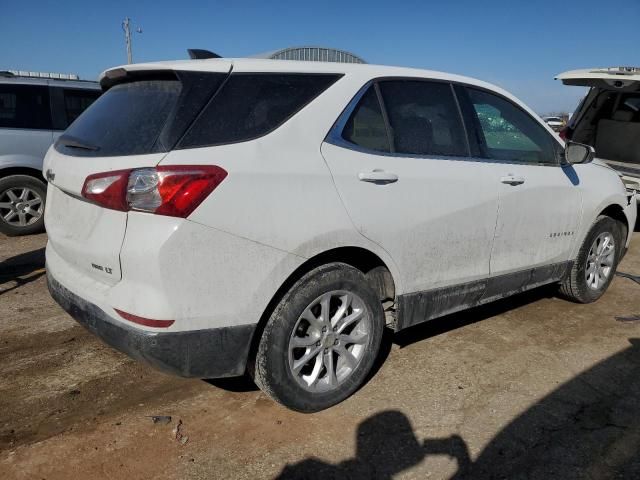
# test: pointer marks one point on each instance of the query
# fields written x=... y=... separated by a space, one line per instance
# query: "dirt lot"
x=531 y=387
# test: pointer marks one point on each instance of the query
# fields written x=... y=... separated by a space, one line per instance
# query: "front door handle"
x=378 y=176
x=512 y=180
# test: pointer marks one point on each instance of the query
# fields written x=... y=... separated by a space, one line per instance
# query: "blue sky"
x=517 y=45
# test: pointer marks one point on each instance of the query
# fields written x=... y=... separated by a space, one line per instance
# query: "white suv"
x=217 y=217
x=35 y=108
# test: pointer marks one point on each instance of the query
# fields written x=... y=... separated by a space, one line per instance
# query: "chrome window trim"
x=334 y=136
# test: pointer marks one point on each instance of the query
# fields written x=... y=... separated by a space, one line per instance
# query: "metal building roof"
x=312 y=54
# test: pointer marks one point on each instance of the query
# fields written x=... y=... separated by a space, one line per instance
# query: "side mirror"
x=578 y=153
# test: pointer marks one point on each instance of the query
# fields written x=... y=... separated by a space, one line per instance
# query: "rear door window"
x=25 y=106
x=424 y=118
x=250 y=105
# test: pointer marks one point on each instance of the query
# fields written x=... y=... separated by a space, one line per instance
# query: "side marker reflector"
x=147 y=322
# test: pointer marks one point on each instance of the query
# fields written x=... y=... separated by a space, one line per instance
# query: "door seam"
x=353 y=224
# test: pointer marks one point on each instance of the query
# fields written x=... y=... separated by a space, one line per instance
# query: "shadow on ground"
x=587 y=428
x=22 y=269
x=454 y=321
x=234 y=384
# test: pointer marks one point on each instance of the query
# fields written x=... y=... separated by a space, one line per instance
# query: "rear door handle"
x=512 y=180
x=378 y=176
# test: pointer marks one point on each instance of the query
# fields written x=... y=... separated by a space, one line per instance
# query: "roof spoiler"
x=199 y=54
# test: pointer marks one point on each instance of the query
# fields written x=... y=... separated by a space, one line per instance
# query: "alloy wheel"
x=600 y=260
x=329 y=340
x=21 y=206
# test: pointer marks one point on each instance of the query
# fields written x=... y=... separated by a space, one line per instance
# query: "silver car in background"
x=557 y=123
x=35 y=108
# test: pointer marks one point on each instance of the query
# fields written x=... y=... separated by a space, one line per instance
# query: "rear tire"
x=596 y=263
x=22 y=216
x=321 y=340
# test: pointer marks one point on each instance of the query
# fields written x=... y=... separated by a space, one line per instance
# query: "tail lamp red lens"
x=174 y=191
x=107 y=189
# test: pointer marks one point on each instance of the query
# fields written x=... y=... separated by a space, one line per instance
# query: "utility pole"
x=127 y=37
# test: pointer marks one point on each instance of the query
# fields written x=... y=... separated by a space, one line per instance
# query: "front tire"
x=596 y=263
x=22 y=200
x=321 y=340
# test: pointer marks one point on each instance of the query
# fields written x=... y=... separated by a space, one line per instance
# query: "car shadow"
x=589 y=427
x=448 y=323
x=22 y=269
x=234 y=384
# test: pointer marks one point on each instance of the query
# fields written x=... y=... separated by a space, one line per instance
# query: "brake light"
x=174 y=191
x=107 y=189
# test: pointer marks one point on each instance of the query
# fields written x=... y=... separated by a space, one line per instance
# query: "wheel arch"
x=375 y=269
x=616 y=212
x=29 y=171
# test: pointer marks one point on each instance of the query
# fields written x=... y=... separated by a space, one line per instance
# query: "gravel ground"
x=529 y=387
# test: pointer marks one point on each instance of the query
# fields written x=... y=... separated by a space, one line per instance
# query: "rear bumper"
x=207 y=353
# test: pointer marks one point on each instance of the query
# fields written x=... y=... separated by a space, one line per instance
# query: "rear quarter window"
x=251 y=105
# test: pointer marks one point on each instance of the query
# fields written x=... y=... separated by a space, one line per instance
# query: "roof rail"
x=200 y=54
x=24 y=73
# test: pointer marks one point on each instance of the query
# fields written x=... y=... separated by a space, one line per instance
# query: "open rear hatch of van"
x=608 y=118
x=143 y=113
x=614 y=77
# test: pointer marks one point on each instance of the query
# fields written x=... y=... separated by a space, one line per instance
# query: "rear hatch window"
x=188 y=110
x=127 y=120
x=140 y=116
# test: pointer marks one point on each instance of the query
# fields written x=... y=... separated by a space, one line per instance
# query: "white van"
x=608 y=117
x=34 y=110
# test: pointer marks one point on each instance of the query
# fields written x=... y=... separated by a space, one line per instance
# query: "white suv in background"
x=217 y=217
x=34 y=110
x=556 y=123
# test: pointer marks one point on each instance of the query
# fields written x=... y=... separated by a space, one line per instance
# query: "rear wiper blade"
x=73 y=142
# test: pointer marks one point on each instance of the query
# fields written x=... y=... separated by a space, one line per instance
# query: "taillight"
x=174 y=191
x=107 y=189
